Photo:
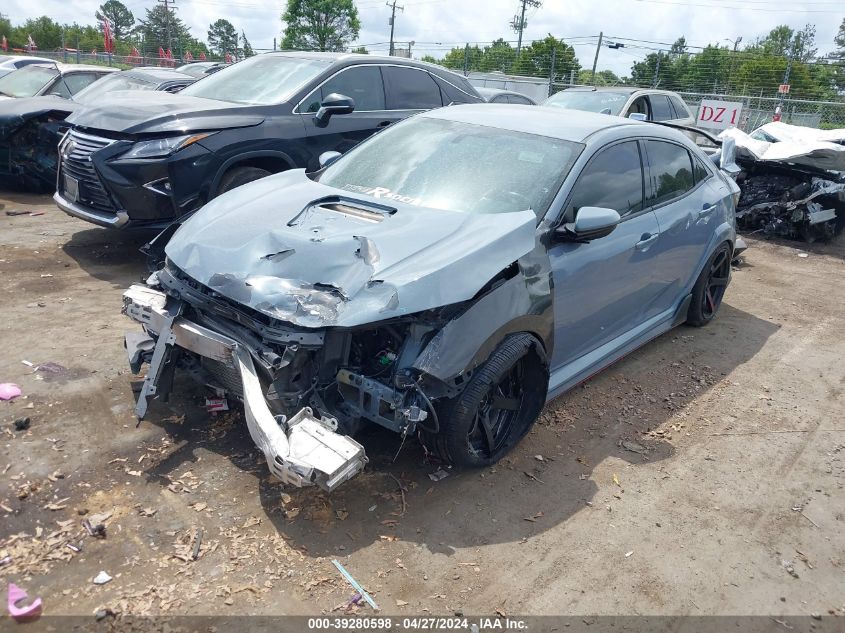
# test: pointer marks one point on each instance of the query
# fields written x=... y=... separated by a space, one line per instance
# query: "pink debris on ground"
x=31 y=611
x=9 y=390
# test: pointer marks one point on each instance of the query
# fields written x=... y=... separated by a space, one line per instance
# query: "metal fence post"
x=77 y=48
x=466 y=59
x=552 y=71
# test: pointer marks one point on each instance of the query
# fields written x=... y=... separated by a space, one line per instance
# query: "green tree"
x=361 y=50
x=246 y=47
x=603 y=78
x=536 y=60
x=222 y=37
x=119 y=16
x=839 y=56
x=322 y=25
x=153 y=30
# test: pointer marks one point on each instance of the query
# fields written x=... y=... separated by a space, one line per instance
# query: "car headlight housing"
x=161 y=147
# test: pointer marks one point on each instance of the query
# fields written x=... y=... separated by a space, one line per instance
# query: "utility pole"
x=392 y=21
x=596 y=58
x=169 y=5
x=518 y=23
x=656 y=71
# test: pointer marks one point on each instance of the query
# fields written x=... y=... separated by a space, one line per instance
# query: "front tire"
x=238 y=176
x=496 y=408
x=709 y=289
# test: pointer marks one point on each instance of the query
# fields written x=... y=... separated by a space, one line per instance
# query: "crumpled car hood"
x=793 y=145
x=148 y=112
x=268 y=246
x=15 y=112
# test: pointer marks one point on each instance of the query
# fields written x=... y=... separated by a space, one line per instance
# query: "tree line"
x=146 y=34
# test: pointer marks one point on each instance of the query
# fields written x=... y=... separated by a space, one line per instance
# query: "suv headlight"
x=161 y=147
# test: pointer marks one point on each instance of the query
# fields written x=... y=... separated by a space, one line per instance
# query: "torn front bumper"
x=302 y=450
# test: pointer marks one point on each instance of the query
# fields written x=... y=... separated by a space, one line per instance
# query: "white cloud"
x=457 y=21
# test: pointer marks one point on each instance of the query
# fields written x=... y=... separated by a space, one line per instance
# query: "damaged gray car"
x=443 y=279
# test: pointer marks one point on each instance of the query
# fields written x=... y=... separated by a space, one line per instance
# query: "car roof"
x=360 y=57
x=161 y=74
x=628 y=90
x=66 y=68
x=15 y=58
x=567 y=125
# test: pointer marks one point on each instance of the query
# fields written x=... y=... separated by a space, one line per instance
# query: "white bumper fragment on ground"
x=302 y=450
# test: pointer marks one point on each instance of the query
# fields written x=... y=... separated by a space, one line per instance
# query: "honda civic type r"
x=444 y=278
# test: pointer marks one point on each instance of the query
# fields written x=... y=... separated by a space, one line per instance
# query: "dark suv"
x=142 y=160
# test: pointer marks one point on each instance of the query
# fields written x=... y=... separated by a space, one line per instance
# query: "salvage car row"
x=335 y=262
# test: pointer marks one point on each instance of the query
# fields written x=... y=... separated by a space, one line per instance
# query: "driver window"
x=362 y=83
x=612 y=180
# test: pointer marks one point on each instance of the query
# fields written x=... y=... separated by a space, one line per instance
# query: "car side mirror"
x=590 y=223
x=327 y=158
x=638 y=116
x=335 y=103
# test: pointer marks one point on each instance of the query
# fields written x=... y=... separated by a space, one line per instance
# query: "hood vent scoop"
x=362 y=210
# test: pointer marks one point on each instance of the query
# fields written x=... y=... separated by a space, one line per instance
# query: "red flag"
x=4 y=44
x=135 y=52
x=108 y=40
x=202 y=56
x=161 y=54
x=169 y=54
x=188 y=57
x=228 y=58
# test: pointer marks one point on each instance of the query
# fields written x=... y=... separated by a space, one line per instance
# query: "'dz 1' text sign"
x=719 y=115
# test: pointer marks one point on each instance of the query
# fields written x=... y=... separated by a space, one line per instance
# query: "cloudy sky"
x=436 y=25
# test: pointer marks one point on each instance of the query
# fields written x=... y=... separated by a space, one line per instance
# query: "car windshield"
x=110 y=83
x=259 y=80
x=599 y=101
x=27 y=81
x=456 y=166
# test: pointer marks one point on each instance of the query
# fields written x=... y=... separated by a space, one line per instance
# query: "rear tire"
x=709 y=289
x=496 y=408
x=238 y=176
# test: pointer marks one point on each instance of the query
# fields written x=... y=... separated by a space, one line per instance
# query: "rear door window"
x=680 y=108
x=518 y=99
x=613 y=179
x=670 y=171
x=410 y=89
x=660 y=108
x=362 y=83
x=451 y=94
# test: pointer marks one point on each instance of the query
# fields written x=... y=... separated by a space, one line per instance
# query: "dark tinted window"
x=660 y=108
x=499 y=99
x=670 y=171
x=410 y=89
x=699 y=170
x=518 y=99
x=613 y=180
x=362 y=83
x=679 y=107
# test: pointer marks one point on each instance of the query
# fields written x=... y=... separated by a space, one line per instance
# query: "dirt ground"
x=702 y=475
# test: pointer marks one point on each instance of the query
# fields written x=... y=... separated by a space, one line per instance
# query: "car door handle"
x=707 y=210
x=384 y=123
x=646 y=240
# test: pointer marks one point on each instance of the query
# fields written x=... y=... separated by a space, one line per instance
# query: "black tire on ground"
x=238 y=176
x=710 y=287
x=496 y=408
